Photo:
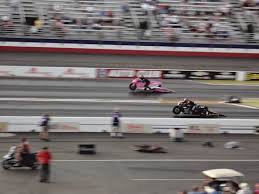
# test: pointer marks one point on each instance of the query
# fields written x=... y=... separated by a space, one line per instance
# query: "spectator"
x=44 y=157
x=209 y=30
x=244 y=189
x=250 y=32
x=37 y=26
x=6 y=25
x=14 y=4
x=182 y=192
x=44 y=134
x=108 y=19
x=143 y=26
x=170 y=33
x=256 y=188
x=202 y=26
x=197 y=190
x=59 y=27
x=125 y=8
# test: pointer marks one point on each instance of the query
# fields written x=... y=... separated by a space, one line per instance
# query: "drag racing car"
x=196 y=111
x=155 y=86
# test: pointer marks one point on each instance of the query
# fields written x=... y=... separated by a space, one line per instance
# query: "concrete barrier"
x=147 y=125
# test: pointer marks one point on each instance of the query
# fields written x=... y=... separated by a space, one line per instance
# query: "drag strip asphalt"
x=28 y=97
x=116 y=168
x=128 y=61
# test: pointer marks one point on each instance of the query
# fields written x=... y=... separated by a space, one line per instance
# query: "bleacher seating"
x=149 y=20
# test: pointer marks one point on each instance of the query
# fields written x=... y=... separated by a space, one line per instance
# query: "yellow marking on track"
x=230 y=82
x=253 y=102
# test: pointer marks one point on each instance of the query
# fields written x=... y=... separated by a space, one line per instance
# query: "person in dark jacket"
x=146 y=81
x=44 y=134
x=189 y=103
x=116 y=132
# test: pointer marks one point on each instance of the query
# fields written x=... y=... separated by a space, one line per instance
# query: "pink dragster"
x=156 y=86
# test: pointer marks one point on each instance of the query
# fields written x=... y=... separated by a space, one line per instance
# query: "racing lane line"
x=100 y=100
x=228 y=84
x=159 y=160
x=166 y=179
x=79 y=100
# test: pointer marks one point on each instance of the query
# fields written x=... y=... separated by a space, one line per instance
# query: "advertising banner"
x=3 y=127
x=128 y=73
x=136 y=128
x=149 y=73
x=72 y=72
x=47 y=72
x=203 y=129
x=65 y=127
x=121 y=73
x=252 y=76
x=199 y=75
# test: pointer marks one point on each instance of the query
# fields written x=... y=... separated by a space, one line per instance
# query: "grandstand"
x=210 y=21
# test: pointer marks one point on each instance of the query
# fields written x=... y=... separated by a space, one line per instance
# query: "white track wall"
x=148 y=125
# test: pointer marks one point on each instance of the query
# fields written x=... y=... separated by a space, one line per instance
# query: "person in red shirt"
x=256 y=188
x=44 y=157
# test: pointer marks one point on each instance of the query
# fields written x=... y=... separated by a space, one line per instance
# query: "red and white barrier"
x=126 y=49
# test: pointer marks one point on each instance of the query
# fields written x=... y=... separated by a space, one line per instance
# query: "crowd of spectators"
x=184 y=18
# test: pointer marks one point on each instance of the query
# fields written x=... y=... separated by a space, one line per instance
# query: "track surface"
x=126 y=61
x=114 y=93
x=123 y=173
x=118 y=169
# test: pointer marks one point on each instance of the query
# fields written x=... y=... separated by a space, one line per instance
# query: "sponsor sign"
x=3 y=126
x=149 y=73
x=102 y=73
x=174 y=74
x=121 y=73
x=71 y=72
x=136 y=128
x=224 y=75
x=65 y=127
x=129 y=73
x=48 y=72
x=199 y=75
x=203 y=129
x=252 y=76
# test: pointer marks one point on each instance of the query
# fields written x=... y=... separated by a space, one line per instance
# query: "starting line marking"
x=159 y=160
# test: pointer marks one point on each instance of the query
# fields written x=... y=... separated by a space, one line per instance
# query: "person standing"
x=44 y=157
x=44 y=134
x=116 y=132
x=256 y=191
